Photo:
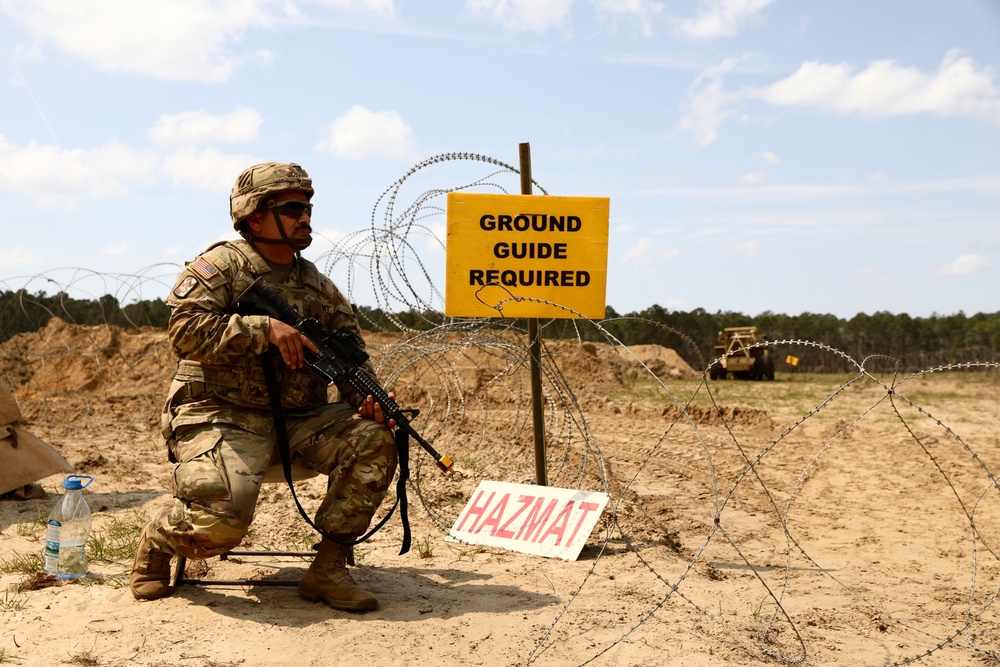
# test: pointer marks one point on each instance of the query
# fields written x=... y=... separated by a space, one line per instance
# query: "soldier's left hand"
x=369 y=409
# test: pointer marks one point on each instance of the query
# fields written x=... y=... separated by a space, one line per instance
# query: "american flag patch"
x=203 y=268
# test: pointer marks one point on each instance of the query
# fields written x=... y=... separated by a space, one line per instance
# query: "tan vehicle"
x=736 y=355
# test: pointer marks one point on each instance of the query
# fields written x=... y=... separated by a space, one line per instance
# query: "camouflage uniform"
x=218 y=422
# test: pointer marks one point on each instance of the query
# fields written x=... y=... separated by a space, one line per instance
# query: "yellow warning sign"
x=792 y=361
x=526 y=256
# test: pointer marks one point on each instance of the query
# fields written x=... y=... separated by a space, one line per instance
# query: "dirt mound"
x=603 y=366
x=663 y=362
x=590 y=365
x=65 y=358
x=108 y=360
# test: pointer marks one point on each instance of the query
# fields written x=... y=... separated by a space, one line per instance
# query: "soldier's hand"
x=289 y=342
x=369 y=409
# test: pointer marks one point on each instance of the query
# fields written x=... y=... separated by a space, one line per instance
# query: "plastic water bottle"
x=68 y=531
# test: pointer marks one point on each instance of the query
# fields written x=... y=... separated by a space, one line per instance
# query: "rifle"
x=339 y=359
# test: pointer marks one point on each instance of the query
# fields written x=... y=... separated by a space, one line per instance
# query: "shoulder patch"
x=185 y=286
x=203 y=268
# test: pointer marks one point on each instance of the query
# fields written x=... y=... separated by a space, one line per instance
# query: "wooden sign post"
x=530 y=257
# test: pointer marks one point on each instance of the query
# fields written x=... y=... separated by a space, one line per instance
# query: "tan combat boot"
x=327 y=579
x=150 y=578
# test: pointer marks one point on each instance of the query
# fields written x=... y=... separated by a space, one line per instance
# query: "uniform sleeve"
x=203 y=326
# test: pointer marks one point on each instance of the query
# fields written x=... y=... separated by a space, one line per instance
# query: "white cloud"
x=437 y=236
x=752 y=178
x=770 y=158
x=747 y=248
x=384 y=8
x=361 y=133
x=963 y=266
x=639 y=253
x=206 y=168
x=707 y=105
x=884 y=89
x=715 y=18
x=201 y=127
x=181 y=40
x=50 y=174
x=538 y=16
x=759 y=177
x=643 y=12
x=720 y=18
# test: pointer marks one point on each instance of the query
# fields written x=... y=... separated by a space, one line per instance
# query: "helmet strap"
x=296 y=244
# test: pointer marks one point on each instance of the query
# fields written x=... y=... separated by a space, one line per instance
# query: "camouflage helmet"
x=260 y=180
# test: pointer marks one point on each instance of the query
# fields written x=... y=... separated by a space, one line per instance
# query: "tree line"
x=913 y=342
x=21 y=312
x=887 y=340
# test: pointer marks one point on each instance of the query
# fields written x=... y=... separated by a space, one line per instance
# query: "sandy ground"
x=830 y=520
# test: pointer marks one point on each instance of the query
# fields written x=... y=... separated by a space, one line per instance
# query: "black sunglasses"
x=291 y=209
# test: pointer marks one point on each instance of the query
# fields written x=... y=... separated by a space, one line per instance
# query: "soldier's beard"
x=297 y=244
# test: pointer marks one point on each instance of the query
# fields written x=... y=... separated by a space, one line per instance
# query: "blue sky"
x=759 y=155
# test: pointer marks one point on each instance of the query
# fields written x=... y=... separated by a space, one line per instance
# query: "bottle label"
x=52 y=546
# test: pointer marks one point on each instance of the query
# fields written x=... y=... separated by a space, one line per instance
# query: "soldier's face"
x=295 y=218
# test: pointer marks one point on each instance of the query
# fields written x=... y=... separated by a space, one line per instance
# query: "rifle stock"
x=339 y=359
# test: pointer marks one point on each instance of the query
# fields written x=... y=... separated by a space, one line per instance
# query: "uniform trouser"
x=221 y=466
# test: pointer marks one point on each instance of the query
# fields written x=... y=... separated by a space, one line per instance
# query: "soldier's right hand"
x=289 y=342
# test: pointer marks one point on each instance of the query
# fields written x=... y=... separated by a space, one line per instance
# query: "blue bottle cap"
x=74 y=483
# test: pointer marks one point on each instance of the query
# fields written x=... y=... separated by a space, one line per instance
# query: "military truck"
x=737 y=357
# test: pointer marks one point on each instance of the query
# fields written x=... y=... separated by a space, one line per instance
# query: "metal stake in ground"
x=534 y=347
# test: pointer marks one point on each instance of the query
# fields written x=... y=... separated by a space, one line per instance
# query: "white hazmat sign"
x=539 y=520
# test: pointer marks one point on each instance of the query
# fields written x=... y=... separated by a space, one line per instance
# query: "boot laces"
x=341 y=577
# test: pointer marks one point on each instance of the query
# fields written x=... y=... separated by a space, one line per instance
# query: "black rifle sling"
x=284 y=450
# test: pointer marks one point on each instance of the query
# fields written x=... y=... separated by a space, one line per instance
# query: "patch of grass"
x=927 y=396
x=301 y=541
x=117 y=540
x=22 y=563
x=8 y=657
x=425 y=548
x=467 y=551
x=9 y=603
x=33 y=529
x=87 y=658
